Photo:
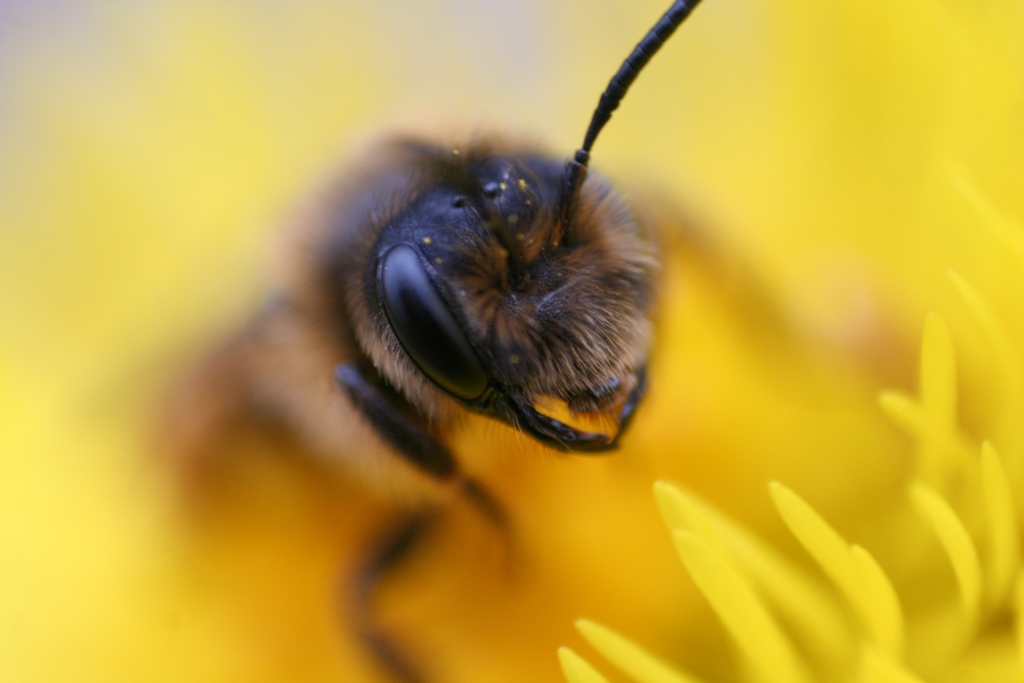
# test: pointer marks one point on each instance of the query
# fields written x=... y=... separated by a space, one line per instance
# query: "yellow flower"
x=936 y=592
x=843 y=155
x=788 y=625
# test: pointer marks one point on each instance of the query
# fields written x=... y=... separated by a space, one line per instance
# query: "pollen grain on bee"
x=427 y=240
x=522 y=184
x=513 y=219
x=513 y=359
x=439 y=260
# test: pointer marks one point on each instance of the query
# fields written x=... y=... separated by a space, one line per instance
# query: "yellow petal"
x=1003 y=541
x=576 y=669
x=878 y=602
x=630 y=658
x=957 y=543
x=939 y=443
x=683 y=511
x=854 y=571
x=799 y=598
x=983 y=316
x=876 y=668
x=1009 y=368
x=826 y=546
x=1004 y=228
x=905 y=412
x=760 y=640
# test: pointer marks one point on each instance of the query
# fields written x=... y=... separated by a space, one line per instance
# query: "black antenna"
x=576 y=169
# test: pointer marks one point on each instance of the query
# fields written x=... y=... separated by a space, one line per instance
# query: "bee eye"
x=425 y=327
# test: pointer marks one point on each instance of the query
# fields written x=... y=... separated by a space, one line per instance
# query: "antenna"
x=576 y=169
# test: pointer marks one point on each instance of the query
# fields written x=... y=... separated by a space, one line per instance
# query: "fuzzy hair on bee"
x=434 y=278
x=547 y=316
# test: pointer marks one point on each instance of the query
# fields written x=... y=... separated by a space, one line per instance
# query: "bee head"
x=481 y=287
x=507 y=277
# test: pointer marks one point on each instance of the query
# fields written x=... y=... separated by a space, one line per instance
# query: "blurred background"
x=838 y=152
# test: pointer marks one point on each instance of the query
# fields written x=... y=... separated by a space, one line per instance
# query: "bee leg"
x=402 y=432
x=412 y=441
x=391 y=548
x=387 y=552
x=486 y=504
x=494 y=514
x=629 y=408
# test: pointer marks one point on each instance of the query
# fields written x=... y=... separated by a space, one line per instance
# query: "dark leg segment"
x=486 y=504
x=394 y=545
x=411 y=440
x=409 y=437
x=404 y=433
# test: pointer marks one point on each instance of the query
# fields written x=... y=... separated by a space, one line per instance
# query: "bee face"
x=472 y=287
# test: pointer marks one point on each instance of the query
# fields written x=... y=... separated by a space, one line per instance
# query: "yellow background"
x=147 y=149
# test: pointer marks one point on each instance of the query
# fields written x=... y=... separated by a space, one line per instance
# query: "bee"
x=434 y=279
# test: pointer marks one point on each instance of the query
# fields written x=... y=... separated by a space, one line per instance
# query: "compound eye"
x=425 y=327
